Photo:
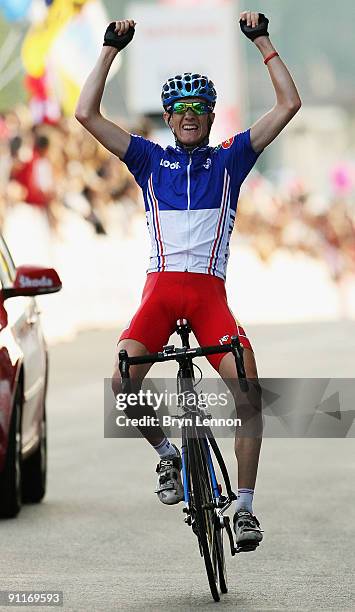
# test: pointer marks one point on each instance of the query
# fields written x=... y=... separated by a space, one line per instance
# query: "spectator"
x=35 y=175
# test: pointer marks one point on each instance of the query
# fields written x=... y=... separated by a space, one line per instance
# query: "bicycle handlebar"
x=178 y=353
x=170 y=353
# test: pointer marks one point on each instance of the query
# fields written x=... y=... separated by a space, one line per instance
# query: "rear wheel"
x=10 y=478
x=203 y=512
x=34 y=468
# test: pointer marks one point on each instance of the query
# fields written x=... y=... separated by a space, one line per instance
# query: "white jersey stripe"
x=152 y=229
x=220 y=221
x=156 y=222
x=213 y=243
x=224 y=225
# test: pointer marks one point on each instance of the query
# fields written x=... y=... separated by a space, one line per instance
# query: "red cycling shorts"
x=199 y=298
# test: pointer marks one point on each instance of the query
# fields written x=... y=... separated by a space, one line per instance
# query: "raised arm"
x=88 y=112
x=288 y=102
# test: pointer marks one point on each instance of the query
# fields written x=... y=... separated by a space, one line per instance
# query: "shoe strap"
x=247 y=517
x=167 y=463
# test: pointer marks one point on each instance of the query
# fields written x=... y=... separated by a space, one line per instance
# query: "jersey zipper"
x=188 y=213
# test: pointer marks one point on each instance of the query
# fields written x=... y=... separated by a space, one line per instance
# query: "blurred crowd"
x=286 y=216
x=53 y=168
x=56 y=168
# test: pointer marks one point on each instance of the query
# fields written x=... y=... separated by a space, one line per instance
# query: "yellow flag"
x=70 y=94
x=40 y=37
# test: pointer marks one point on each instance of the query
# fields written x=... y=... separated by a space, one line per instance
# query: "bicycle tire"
x=218 y=550
x=221 y=562
x=201 y=495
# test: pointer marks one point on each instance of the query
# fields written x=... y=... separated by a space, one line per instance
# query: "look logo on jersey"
x=171 y=165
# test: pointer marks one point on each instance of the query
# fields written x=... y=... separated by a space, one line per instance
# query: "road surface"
x=102 y=537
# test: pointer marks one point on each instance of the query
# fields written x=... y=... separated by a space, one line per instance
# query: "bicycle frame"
x=186 y=375
x=185 y=383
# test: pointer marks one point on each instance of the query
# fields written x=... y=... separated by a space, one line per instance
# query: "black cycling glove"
x=113 y=40
x=260 y=30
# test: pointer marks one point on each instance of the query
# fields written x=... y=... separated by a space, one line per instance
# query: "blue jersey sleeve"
x=139 y=158
x=240 y=155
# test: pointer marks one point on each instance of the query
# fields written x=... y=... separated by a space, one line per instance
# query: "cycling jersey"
x=190 y=201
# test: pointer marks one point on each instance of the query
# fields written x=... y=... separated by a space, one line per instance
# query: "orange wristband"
x=269 y=57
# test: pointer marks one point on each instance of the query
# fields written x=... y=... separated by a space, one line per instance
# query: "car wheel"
x=34 y=469
x=10 y=478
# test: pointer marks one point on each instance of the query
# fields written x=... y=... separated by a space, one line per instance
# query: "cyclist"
x=190 y=193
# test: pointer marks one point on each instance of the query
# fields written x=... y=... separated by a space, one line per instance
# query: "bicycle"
x=204 y=503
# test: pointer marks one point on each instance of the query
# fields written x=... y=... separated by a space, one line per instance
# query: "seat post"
x=183 y=329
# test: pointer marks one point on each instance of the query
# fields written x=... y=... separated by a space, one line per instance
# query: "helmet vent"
x=187 y=85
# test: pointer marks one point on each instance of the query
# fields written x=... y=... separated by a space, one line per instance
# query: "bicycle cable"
x=194 y=365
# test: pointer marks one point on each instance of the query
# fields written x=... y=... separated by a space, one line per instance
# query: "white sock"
x=165 y=449
x=245 y=500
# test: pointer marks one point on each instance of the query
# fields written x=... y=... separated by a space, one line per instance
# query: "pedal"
x=247 y=547
x=222 y=500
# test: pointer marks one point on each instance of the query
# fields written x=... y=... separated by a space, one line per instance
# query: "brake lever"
x=237 y=351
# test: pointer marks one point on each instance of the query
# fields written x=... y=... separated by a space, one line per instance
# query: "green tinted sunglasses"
x=200 y=108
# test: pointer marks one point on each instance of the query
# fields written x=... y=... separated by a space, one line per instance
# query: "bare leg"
x=153 y=434
x=169 y=486
x=247 y=447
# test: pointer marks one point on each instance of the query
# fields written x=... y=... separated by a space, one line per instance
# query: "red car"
x=23 y=383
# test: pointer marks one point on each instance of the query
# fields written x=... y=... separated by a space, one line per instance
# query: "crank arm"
x=230 y=534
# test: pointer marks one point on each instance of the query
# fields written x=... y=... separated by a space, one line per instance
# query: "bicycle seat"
x=182 y=325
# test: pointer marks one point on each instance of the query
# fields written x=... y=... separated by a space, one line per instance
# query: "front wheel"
x=202 y=511
x=221 y=562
